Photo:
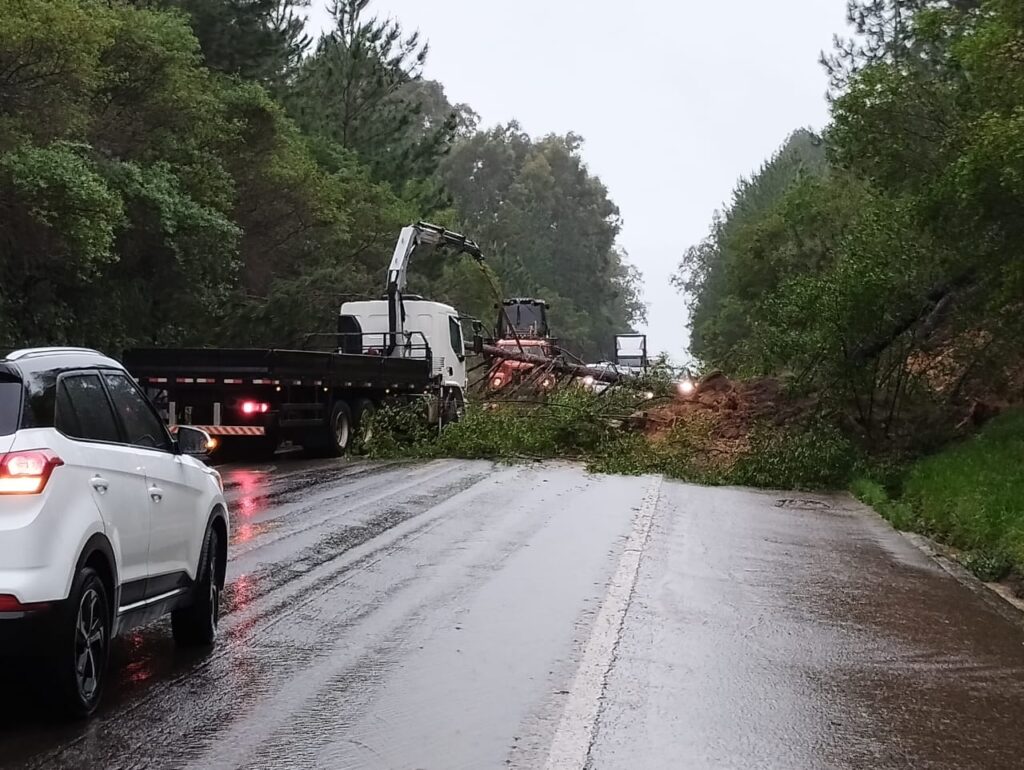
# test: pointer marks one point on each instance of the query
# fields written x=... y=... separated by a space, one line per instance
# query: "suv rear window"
x=83 y=410
x=10 y=405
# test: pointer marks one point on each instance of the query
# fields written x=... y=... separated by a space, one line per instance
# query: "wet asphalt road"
x=465 y=615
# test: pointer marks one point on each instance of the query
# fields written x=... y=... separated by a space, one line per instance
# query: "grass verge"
x=969 y=496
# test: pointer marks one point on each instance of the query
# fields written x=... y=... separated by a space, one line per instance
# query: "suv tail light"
x=10 y=603
x=26 y=473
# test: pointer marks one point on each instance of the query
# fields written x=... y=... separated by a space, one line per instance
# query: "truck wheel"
x=83 y=646
x=340 y=430
x=362 y=417
x=454 y=408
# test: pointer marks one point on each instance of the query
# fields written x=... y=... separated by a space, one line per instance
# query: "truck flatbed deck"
x=273 y=366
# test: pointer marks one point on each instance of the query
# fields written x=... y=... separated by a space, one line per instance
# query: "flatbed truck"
x=394 y=350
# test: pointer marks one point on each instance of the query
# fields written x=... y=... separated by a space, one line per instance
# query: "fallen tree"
x=555 y=365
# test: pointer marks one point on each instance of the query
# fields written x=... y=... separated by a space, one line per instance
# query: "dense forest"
x=881 y=264
x=203 y=172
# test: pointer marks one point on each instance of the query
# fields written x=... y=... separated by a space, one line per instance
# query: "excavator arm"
x=417 y=239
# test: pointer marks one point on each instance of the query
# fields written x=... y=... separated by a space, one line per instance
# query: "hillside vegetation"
x=202 y=172
x=881 y=264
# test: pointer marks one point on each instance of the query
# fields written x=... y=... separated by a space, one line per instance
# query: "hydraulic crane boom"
x=416 y=239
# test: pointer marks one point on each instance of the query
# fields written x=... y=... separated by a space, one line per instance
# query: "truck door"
x=455 y=371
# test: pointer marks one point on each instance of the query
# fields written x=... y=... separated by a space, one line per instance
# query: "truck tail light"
x=26 y=473
x=255 y=407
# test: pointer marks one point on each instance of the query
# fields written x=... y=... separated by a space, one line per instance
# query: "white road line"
x=570 y=748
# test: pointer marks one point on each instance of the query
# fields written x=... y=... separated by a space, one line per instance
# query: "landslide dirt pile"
x=721 y=413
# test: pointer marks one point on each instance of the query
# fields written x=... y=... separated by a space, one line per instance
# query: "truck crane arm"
x=415 y=239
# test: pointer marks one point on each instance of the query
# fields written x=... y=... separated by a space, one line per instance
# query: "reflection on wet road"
x=465 y=615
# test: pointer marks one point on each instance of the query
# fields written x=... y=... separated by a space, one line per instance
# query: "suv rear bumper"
x=30 y=633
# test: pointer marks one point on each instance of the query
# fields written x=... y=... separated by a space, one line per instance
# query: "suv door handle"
x=156 y=494
x=100 y=484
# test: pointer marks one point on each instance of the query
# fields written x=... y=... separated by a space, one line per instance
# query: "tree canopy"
x=200 y=172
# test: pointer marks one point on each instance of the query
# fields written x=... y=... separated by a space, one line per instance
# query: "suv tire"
x=196 y=624
x=82 y=645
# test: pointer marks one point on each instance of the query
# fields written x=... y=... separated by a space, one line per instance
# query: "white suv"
x=106 y=521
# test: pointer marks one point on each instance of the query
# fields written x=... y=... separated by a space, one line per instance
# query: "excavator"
x=522 y=327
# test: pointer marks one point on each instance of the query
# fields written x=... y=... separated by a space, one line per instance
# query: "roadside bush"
x=972 y=495
x=969 y=497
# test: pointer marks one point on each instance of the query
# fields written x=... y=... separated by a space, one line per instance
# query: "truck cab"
x=432 y=331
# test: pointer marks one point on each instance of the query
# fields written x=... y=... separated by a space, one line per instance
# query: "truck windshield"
x=10 y=405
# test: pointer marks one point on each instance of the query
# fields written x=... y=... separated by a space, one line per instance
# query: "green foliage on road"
x=604 y=432
x=202 y=172
x=570 y=424
x=969 y=496
x=812 y=456
x=880 y=264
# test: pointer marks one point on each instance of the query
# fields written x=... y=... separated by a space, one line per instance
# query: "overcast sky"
x=676 y=99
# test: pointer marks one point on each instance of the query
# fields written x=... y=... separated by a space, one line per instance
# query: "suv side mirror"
x=193 y=441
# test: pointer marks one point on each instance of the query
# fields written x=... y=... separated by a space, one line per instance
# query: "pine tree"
x=261 y=40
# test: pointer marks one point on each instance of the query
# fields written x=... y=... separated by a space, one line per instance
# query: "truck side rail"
x=415 y=345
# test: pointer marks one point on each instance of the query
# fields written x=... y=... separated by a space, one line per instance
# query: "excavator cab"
x=523 y=318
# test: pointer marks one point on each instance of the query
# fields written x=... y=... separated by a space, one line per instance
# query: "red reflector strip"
x=266 y=382
x=185 y=380
x=232 y=382
x=227 y=430
x=205 y=381
x=157 y=379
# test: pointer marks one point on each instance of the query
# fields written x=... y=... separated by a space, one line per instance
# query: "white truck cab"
x=431 y=326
